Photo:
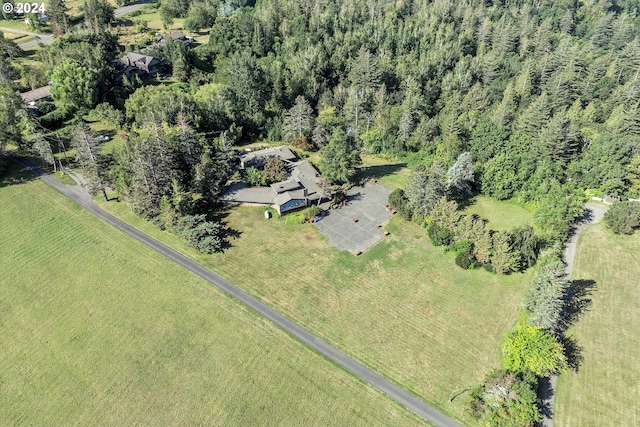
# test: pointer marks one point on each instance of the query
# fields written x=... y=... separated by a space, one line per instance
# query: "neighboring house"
x=32 y=97
x=299 y=190
x=139 y=64
x=177 y=36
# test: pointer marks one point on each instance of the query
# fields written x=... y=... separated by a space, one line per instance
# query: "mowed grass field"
x=403 y=308
x=501 y=215
x=96 y=329
x=606 y=389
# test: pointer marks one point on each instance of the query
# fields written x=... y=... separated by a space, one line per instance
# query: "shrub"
x=465 y=260
x=338 y=198
x=302 y=216
x=461 y=247
x=302 y=143
x=398 y=202
x=141 y=26
x=205 y=236
x=623 y=217
x=439 y=236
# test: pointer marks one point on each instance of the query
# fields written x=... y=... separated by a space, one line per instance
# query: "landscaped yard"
x=97 y=329
x=606 y=389
x=403 y=308
x=502 y=215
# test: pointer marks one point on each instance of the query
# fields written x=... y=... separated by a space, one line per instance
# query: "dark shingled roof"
x=36 y=94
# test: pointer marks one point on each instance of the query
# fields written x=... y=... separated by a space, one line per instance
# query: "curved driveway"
x=403 y=397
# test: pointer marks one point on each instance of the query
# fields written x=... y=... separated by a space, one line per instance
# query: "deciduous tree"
x=530 y=347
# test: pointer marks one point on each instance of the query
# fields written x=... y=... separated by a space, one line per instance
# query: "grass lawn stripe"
x=606 y=389
x=404 y=309
x=97 y=329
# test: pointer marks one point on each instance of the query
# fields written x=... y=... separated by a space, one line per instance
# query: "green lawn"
x=502 y=215
x=97 y=329
x=606 y=389
x=391 y=173
x=403 y=308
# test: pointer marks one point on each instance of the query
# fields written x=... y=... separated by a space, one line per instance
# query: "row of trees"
x=473 y=242
x=536 y=348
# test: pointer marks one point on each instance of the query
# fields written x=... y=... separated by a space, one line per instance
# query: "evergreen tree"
x=426 y=187
x=57 y=13
x=88 y=155
x=339 y=158
x=298 y=121
x=502 y=256
x=530 y=347
x=42 y=147
x=460 y=176
x=545 y=299
x=482 y=248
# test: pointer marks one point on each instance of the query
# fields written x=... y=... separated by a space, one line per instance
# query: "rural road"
x=593 y=214
x=48 y=38
x=80 y=196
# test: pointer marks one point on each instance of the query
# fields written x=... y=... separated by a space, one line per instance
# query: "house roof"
x=178 y=35
x=261 y=156
x=36 y=94
x=283 y=186
x=302 y=183
x=240 y=192
x=140 y=61
x=283 y=198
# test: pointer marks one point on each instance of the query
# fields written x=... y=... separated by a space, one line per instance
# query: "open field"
x=97 y=329
x=606 y=389
x=502 y=215
x=403 y=308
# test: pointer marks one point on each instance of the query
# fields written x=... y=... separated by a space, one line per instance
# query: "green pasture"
x=97 y=329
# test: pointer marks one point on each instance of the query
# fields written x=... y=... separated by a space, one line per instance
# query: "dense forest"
x=543 y=95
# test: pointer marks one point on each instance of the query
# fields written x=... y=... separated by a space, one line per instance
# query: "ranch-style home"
x=300 y=189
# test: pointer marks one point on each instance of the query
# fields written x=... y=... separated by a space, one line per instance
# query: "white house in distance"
x=300 y=189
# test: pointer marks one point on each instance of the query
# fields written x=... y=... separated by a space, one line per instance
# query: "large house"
x=139 y=64
x=176 y=36
x=301 y=188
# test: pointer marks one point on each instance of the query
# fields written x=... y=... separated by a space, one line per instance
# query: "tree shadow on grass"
x=377 y=172
x=545 y=394
x=578 y=303
x=573 y=353
x=578 y=300
x=13 y=172
x=228 y=234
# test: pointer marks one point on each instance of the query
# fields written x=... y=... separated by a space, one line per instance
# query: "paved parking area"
x=366 y=205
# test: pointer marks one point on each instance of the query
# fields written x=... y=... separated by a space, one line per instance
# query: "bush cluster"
x=623 y=217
